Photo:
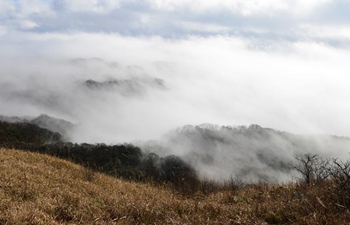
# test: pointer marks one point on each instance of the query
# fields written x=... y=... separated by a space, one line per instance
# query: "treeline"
x=124 y=160
x=12 y=134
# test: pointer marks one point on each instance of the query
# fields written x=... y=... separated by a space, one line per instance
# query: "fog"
x=144 y=87
x=298 y=87
x=250 y=153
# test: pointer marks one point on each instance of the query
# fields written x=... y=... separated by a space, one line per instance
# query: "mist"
x=298 y=87
x=117 y=89
x=249 y=153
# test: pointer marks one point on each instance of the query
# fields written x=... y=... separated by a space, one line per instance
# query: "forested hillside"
x=123 y=160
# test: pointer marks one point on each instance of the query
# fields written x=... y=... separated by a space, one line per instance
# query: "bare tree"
x=312 y=167
x=341 y=170
x=322 y=168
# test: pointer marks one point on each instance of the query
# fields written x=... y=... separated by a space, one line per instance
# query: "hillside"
x=39 y=189
x=44 y=121
x=123 y=160
x=18 y=133
x=252 y=153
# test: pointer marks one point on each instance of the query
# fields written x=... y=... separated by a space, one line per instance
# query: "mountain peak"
x=215 y=127
x=209 y=126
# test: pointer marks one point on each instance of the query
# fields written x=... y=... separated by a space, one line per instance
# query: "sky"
x=277 y=63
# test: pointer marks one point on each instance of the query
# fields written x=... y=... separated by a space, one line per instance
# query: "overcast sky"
x=278 y=63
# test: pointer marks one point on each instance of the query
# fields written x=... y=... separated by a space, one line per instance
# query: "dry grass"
x=39 y=189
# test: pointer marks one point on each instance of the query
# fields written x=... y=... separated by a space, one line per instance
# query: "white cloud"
x=202 y=27
x=334 y=32
x=305 y=6
x=96 y=6
x=3 y=30
x=27 y=24
x=27 y=8
x=6 y=8
x=243 y=7
x=299 y=87
x=261 y=19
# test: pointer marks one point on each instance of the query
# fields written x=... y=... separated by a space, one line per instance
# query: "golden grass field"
x=40 y=189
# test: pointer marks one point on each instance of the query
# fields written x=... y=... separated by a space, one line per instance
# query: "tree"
x=312 y=168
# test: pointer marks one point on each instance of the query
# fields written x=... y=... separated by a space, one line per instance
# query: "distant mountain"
x=53 y=124
x=131 y=86
x=218 y=128
x=252 y=153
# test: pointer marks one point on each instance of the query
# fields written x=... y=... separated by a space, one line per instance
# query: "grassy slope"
x=39 y=189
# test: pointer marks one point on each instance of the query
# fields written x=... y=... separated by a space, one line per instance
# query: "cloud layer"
x=299 y=87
